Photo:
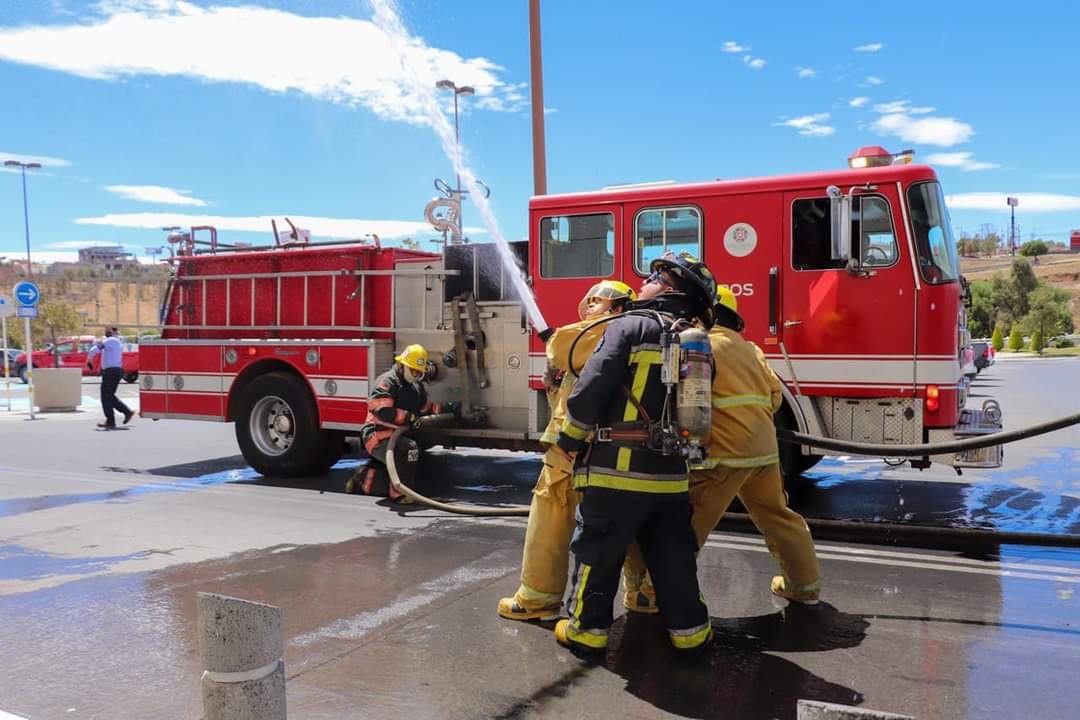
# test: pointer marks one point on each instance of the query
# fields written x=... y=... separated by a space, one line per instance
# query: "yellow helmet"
x=414 y=357
x=725 y=297
x=611 y=290
x=726 y=309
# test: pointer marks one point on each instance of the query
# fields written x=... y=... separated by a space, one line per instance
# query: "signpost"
x=7 y=309
x=27 y=295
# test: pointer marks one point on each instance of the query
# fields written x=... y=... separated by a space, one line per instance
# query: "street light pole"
x=24 y=166
x=26 y=212
x=463 y=91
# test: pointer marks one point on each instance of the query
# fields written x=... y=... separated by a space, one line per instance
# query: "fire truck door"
x=840 y=327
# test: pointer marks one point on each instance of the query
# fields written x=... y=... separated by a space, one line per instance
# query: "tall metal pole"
x=26 y=224
x=1012 y=231
x=457 y=145
x=536 y=79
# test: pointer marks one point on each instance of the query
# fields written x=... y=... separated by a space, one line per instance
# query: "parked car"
x=71 y=353
x=967 y=362
x=12 y=356
x=984 y=354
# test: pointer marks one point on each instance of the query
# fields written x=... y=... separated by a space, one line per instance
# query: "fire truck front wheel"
x=277 y=427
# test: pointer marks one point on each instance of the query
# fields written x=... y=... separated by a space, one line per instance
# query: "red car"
x=71 y=353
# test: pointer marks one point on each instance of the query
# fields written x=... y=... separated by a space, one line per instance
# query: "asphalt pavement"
x=105 y=538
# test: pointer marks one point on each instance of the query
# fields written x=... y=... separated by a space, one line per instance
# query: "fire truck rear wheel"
x=792 y=460
x=277 y=427
x=131 y=377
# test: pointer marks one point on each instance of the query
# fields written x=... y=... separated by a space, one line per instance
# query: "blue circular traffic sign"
x=27 y=293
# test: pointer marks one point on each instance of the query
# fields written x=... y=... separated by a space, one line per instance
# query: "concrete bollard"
x=817 y=710
x=242 y=649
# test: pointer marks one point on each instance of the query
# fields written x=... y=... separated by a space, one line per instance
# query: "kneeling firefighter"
x=743 y=461
x=546 y=557
x=633 y=472
x=399 y=399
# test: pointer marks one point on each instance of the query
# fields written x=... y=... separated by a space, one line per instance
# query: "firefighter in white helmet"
x=399 y=399
x=546 y=557
x=743 y=461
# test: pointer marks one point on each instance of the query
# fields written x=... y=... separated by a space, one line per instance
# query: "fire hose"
x=875 y=529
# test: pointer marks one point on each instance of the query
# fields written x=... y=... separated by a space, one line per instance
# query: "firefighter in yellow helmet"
x=743 y=461
x=546 y=557
x=399 y=399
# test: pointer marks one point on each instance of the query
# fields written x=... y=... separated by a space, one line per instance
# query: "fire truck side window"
x=577 y=246
x=872 y=230
x=810 y=236
x=658 y=230
x=872 y=234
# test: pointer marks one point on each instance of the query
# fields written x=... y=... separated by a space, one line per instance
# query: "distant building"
x=107 y=257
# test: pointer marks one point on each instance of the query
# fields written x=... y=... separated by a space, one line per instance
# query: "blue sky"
x=159 y=112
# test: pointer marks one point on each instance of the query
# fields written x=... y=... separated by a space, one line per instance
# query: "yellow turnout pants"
x=545 y=561
x=761 y=490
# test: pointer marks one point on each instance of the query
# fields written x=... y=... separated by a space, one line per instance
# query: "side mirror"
x=840 y=218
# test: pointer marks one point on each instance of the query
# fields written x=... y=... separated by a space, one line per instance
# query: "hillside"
x=1060 y=270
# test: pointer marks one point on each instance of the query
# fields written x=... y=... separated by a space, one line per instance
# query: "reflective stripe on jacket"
x=745 y=394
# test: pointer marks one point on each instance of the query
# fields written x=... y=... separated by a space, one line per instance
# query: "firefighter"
x=546 y=557
x=399 y=399
x=632 y=488
x=743 y=461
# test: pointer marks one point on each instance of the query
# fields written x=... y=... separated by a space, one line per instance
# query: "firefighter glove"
x=415 y=421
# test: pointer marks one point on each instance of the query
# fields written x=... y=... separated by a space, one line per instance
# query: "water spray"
x=388 y=19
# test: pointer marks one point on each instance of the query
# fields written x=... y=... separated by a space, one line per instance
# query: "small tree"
x=1037 y=342
x=997 y=340
x=1016 y=341
x=1034 y=248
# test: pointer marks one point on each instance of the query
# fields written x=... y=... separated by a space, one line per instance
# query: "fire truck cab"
x=847 y=279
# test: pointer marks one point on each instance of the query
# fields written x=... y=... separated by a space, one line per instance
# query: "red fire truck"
x=848 y=280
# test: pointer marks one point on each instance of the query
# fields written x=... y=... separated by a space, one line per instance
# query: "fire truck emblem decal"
x=178 y=382
x=740 y=239
x=331 y=387
x=513 y=362
x=147 y=382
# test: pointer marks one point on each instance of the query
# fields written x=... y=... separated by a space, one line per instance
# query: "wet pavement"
x=106 y=537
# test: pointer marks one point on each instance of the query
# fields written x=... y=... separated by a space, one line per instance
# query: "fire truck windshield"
x=933 y=233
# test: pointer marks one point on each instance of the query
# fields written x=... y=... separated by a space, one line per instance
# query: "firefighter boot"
x=509 y=609
x=639 y=595
x=804 y=594
x=578 y=641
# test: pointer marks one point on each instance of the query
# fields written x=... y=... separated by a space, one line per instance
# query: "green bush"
x=1016 y=340
x=1037 y=341
x=997 y=340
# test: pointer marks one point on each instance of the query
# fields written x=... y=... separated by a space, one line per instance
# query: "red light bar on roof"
x=877 y=156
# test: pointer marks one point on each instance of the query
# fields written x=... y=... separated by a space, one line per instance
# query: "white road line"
x=1074 y=579
x=9 y=716
x=937 y=559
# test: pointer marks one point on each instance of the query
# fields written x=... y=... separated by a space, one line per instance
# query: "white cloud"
x=733 y=47
x=42 y=160
x=323 y=227
x=805 y=72
x=943 y=131
x=812 y=125
x=1029 y=202
x=962 y=160
x=873 y=80
x=753 y=62
x=71 y=244
x=870 y=47
x=156 y=194
x=337 y=59
x=858 y=102
x=901 y=106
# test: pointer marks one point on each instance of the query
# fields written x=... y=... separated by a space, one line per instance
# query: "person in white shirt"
x=112 y=370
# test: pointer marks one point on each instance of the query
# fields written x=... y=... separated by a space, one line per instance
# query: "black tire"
x=131 y=377
x=277 y=427
x=333 y=448
x=21 y=372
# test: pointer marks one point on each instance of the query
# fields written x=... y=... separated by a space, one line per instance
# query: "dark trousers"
x=110 y=380
x=375 y=478
x=607 y=522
